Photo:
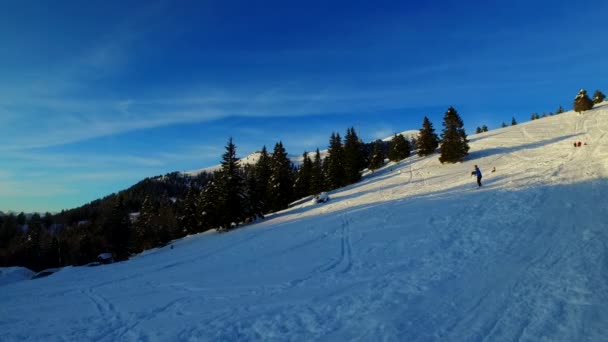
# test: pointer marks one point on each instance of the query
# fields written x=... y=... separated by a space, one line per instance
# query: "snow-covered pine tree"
x=427 y=140
x=582 y=102
x=454 y=143
x=377 y=159
x=399 y=148
x=598 y=97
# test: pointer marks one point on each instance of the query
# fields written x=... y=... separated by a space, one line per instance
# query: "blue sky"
x=95 y=98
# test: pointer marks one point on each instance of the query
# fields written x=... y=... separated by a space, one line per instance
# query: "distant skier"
x=477 y=172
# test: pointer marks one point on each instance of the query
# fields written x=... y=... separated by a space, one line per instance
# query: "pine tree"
x=454 y=143
x=598 y=97
x=304 y=177
x=478 y=130
x=559 y=110
x=582 y=102
x=399 y=148
x=254 y=208
x=281 y=179
x=144 y=228
x=427 y=139
x=167 y=224
x=262 y=173
x=232 y=191
x=513 y=122
x=484 y=128
x=533 y=117
x=503 y=125
x=377 y=159
x=8 y=230
x=209 y=207
x=34 y=232
x=354 y=157
x=117 y=228
x=317 y=178
x=189 y=220
x=335 y=172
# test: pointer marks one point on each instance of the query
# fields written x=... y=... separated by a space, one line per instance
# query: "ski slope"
x=414 y=252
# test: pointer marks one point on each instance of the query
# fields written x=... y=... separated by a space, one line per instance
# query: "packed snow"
x=413 y=252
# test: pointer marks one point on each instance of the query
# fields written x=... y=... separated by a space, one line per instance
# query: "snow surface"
x=414 y=252
x=14 y=274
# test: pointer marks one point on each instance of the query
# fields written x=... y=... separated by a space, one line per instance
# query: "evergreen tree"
x=335 y=172
x=534 y=116
x=454 y=143
x=262 y=177
x=317 y=178
x=254 y=208
x=117 y=229
x=503 y=125
x=399 y=148
x=304 y=177
x=47 y=220
x=598 y=97
x=144 y=228
x=232 y=191
x=377 y=159
x=427 y=139
x=559 y=110
x=484 y=128
x=34 y=232
x=167 y=223
x=21 y=220
x=513 y=122
x=189 y=218
x=478 y=130
x=8 y=230
x=281 y=179
x=209 y=207
x=543 y=116
x=582 y=102
x=354 y=157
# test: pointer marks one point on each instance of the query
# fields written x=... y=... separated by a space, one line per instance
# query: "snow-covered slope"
x=414 y=252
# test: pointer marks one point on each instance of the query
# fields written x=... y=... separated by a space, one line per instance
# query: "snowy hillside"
x=414 y=252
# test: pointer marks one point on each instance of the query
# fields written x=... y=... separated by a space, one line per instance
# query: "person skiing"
x=477 y=172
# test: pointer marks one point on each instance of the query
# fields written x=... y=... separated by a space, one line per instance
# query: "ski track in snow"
x=414 y=252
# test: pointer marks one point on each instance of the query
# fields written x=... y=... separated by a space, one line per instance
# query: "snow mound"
x=14 y=274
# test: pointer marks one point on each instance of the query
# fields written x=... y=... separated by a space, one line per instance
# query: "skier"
x=477 y=172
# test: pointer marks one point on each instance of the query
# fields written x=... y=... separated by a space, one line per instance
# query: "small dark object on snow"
x=494 y=169
x=321 y=198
